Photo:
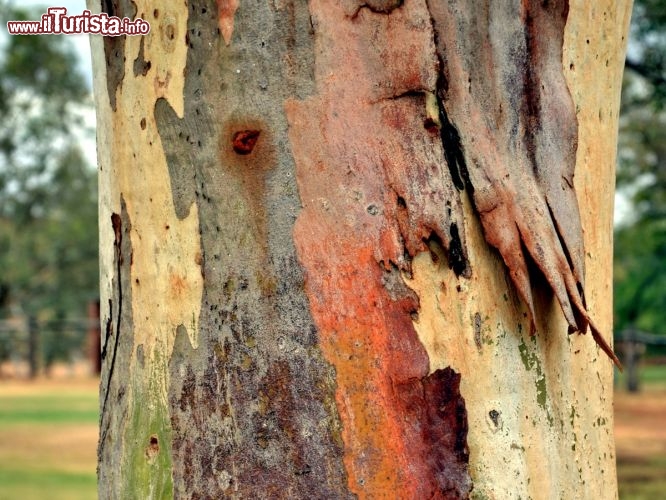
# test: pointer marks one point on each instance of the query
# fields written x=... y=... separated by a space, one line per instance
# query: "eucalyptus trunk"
x=345 y=244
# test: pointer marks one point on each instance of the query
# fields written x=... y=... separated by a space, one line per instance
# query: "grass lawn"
x=640 y=436
x=48 y=439
x=642 y=479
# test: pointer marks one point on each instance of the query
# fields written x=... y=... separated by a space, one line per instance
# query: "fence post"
x=33 y=346
x=632 y=353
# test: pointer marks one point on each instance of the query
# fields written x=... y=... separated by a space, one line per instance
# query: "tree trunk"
x=342 y=245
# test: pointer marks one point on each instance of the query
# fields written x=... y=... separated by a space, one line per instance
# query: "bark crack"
x=117 y=224
x=377 y=6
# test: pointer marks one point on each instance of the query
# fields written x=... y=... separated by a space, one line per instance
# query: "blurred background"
x=49 y=328
x=48 y=263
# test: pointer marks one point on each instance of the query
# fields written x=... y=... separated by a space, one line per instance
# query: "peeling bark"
x=376 y=191
x=298 y=299
x=503 y=90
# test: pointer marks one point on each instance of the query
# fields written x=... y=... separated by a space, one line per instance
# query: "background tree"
x=48 y=214
x=640 y=240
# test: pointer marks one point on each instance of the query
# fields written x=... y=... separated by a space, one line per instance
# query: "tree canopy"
x=640 y=247
x=48 y=211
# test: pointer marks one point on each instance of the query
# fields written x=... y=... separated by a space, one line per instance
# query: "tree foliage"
x=48 y=214
x=640 y=249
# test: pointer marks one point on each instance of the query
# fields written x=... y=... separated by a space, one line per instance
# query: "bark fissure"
x=118 y=344
x=377 y=6
x=116 y=221
x=455 y=157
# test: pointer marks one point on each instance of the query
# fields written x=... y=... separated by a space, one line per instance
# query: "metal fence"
x=29 y=346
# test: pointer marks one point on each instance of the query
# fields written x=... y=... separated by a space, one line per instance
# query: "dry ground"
x=640 y=424
x=640 y=440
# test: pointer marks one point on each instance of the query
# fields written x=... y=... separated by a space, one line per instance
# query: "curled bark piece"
x=518 y=159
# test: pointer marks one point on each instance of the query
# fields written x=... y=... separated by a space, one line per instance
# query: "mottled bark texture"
x=245 y=398
x=376 y=190
x=413 y=104
x=270 y=172
x=251 y=407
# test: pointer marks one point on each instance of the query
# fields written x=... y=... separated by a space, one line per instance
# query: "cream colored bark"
x=164 y=278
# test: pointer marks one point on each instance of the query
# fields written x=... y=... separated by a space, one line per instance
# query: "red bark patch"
x=226 y=11
x=436 y=410
x=376 y=190
x=244 y=141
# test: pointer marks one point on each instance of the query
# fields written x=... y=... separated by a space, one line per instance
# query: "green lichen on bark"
x=147 y=466
x=531 y=361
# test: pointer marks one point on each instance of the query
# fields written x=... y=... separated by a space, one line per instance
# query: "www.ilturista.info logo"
x=57 y=22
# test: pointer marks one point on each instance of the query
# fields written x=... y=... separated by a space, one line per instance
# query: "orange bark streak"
x=226 y=12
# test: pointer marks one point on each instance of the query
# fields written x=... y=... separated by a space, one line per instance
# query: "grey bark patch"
x=252 y=408
x=177 y=141
x=141 y=66
x=478 y=322
x=114 y=47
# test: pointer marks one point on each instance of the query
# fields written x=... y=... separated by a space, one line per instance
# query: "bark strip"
x=252 y=407
x=504 y=92
x=376 y=191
